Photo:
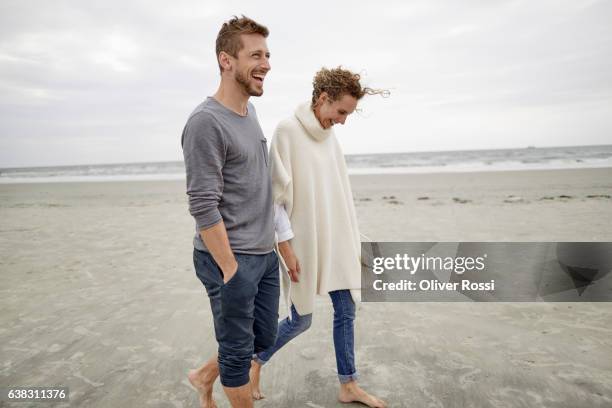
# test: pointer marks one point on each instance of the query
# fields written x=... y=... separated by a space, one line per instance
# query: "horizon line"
x=346 y=154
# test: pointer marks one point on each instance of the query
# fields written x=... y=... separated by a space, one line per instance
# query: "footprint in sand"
x=514 y=199
x=392 y=200
x=562 y=197
x=308 y=353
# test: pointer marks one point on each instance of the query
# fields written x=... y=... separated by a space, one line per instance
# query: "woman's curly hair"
x=337 y=82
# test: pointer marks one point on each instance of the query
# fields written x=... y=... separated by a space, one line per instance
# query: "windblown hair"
x=228 y=39
x=337 y=82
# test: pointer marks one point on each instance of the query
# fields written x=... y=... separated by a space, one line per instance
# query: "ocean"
x=530 y=158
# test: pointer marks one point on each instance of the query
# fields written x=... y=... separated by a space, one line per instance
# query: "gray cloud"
x=95 y=82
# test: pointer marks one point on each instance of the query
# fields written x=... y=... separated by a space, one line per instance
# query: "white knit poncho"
x=310 y=180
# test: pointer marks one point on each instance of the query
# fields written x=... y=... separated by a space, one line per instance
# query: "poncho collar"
x=307 y=118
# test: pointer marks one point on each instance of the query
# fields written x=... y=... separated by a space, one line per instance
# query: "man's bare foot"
x=254 y=374
x=351 y=392
x=205 y=392
x=202 y=380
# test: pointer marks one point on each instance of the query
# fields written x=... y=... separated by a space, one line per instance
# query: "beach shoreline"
x=353 y=172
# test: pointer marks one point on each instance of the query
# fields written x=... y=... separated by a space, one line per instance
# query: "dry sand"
x=99 y=294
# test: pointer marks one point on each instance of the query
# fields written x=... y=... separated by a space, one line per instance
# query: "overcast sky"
x=114 y=81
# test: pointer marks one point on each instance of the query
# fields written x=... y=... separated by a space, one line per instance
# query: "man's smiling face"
x=252 y=64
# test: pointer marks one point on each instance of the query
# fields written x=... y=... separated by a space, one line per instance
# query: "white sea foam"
x=573 y=157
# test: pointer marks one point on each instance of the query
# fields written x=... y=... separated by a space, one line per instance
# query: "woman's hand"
x=290 y=259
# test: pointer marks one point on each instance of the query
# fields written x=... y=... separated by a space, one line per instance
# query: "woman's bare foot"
x=254 y=374
x=202 y=380
x=351 y=392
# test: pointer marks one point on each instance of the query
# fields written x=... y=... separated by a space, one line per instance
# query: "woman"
x=316 y=223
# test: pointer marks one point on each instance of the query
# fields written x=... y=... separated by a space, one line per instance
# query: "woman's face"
x=330 y=112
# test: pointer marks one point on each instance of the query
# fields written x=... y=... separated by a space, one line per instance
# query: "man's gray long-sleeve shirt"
x=226 y=160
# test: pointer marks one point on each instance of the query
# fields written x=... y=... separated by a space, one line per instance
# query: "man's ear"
x=225 y=61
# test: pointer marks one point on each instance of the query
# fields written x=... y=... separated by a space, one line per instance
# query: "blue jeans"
x=245 y=310
x=344 y=334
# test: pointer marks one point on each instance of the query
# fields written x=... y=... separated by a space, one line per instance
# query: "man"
x=230 y=197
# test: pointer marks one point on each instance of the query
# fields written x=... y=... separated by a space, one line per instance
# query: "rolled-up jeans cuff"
x=259 y=360
x=348 y=378
x=236 y=381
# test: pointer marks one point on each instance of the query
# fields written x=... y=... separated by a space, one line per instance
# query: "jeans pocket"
x=232 y=279
x=238 y=294
x=207 y=272
x=236 y=274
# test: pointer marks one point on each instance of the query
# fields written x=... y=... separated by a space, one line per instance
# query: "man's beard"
x=244 y=82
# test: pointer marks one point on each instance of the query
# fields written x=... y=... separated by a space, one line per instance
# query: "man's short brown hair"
x=228 y=39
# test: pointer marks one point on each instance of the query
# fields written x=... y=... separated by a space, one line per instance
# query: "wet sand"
x=99 y=294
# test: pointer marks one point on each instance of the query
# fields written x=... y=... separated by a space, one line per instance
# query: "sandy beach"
x=99 y=294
